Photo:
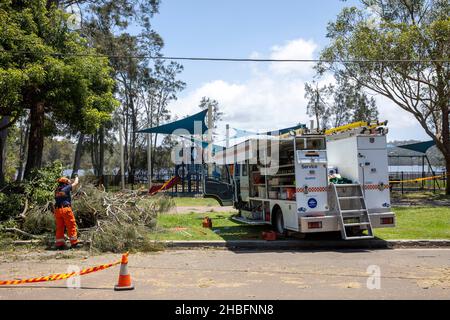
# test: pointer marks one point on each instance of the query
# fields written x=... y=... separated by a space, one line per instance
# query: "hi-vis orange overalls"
x=64 y=215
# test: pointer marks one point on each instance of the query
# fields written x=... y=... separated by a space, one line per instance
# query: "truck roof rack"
x=362 y=125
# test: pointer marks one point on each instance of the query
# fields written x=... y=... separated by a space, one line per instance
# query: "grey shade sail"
x=194 y=124
x=421 y=147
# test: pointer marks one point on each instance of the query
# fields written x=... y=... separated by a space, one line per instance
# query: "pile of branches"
x=118 y=221
x=108 y=222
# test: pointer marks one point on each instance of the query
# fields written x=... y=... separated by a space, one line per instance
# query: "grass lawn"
x=195 y=202
x=419 y=223
x=412 y=223
x=189 y=227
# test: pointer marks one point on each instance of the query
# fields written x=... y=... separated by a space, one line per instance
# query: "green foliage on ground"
x=111 y=222
x=10 y=205
x=118 y=222
x=39 y=221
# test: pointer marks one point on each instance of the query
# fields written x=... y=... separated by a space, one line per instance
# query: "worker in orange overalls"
x=63 y=213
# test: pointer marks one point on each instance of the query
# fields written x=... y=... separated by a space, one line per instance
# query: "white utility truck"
x=309 y=182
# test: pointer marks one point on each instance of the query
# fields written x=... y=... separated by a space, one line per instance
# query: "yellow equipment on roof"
x=352 y=126
x=355 y=125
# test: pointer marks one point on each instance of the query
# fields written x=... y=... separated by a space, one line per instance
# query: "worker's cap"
x=63 y=180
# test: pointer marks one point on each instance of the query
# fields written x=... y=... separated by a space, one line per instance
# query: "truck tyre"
x=278 y=222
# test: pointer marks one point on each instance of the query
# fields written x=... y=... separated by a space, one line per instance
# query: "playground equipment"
x=294 y=192
x=167 y=185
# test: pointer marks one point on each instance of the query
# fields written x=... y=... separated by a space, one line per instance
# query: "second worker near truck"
x=64 y=216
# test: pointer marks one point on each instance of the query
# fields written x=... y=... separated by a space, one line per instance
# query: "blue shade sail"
x=194 y=124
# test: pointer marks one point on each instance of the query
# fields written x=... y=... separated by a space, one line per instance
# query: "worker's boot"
x=59 y=248
x=75 y=245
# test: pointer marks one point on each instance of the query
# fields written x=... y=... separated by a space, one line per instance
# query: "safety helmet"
x=63 y=180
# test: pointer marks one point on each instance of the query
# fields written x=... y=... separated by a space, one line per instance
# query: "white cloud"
x=295 y=49
x=273 y=95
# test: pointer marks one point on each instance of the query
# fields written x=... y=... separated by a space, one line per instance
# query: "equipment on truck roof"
x=364 y=125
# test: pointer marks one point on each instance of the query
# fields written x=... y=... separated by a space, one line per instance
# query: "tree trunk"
x=36 y=139
x=447 y=169
x=78 y=154
x=132 y=162
x=101 y=160
x=24 y=134
x=3 y=138
x=154 y=154
x=443 y=103
x=125 y=148
x=94 y=153
x=446 y=142
x=317 y=109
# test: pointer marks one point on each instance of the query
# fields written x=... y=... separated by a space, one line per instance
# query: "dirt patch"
x=440 y=277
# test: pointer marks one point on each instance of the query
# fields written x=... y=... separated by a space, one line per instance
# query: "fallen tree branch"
x=15 y=230
x=25 y=209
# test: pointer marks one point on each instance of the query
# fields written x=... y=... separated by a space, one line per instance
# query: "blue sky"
x=255 y=95
x=236 y=28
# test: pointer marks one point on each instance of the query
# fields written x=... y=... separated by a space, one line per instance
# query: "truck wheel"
x=278 y=222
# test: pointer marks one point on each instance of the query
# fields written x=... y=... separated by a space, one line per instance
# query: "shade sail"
x=421 y=147
x=244 y=133
x=204 y=144
x=194 y=124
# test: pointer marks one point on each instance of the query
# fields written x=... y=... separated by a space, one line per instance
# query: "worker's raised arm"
x=75 y=182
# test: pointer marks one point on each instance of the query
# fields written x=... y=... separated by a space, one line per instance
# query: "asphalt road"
x=223 y=274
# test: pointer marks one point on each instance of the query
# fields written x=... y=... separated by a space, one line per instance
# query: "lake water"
x=414 y=169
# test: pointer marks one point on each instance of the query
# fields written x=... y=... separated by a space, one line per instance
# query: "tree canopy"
x=401 y=50
x=51 y=71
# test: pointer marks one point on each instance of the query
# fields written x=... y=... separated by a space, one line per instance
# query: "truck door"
x=311 y=176
x=373 y=171
x=219 y=185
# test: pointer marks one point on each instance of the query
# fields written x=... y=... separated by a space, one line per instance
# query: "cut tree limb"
x=15 y=230
x=25 y=209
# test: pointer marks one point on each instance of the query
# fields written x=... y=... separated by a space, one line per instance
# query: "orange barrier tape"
x=60 y=276
x=419 y=179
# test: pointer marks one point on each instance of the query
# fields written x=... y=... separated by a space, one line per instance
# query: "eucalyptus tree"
x=318 y=105
x=401 y=50
x=51 y=71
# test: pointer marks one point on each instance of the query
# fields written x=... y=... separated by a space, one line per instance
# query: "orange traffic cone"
x=124 y=277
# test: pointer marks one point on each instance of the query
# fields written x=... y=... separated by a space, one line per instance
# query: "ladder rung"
x=356 y=224
x=353 y=210
x=354 y=197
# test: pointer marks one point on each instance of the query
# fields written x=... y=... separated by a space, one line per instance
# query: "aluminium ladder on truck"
x=352 y=210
